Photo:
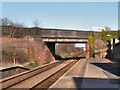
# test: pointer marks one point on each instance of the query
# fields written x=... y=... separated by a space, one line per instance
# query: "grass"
x=7 y=53
x=30 y=65
x=65 y=55
x=68 y=55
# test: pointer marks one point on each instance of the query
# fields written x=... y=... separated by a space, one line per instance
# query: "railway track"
x=38 y=77
x=7 y=82
x=52 y=78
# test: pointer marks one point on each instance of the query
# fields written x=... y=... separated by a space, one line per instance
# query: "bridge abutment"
x=87 y=50
x=51 y=46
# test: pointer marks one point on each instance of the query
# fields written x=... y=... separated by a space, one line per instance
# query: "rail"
x=39 y=75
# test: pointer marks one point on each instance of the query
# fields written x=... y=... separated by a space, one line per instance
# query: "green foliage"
x=65 y=55
x=92 y=53
x=91 y=41
x=7 y=53
x=99 y=33
x=105 y=38
x=100 y=52
x=31 y=65
x=4 y=53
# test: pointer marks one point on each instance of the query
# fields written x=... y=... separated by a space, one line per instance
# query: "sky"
x=63 y=15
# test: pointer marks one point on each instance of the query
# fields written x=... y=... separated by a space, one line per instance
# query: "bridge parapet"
x=55 y=33
x=64 y=33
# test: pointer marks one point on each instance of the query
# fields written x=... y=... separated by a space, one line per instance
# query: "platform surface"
x=93 y=73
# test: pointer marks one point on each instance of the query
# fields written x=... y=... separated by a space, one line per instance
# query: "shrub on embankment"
x=105 y=38
x=91 y=42
x=98 y=42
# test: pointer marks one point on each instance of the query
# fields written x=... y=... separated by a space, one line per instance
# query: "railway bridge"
x=53 y=36
x=49 y=36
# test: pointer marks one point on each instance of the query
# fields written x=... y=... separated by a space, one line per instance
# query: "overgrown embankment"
x=99 y=44
x=24 y=50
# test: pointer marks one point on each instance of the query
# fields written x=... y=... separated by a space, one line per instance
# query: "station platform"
x=92 y=73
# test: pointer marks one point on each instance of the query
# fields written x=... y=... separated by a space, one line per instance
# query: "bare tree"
x=19 y=24
x=8 y=22
x=11 y=23
x=36 y=23
x=108 y=28
x=4 y=21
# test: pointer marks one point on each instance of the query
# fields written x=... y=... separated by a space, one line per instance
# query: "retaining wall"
x=21 y=50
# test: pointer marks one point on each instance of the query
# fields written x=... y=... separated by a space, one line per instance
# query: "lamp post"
x=111 y=46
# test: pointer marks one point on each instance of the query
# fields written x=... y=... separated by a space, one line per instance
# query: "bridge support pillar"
x=87 y=50
x=51 y=46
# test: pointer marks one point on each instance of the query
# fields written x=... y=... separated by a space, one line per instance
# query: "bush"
x=7 y=53
x=105 y=38
x=91 y=41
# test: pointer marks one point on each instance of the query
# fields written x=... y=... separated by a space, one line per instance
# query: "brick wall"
x=24 y=50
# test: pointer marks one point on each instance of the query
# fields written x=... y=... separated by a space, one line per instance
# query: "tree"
x=36 y=23
x=91 y=41
x=4 y=21
x=108 y=28
x=8 y=22
x=18 y=24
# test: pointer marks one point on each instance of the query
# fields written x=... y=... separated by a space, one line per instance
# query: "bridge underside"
x=51 y=44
